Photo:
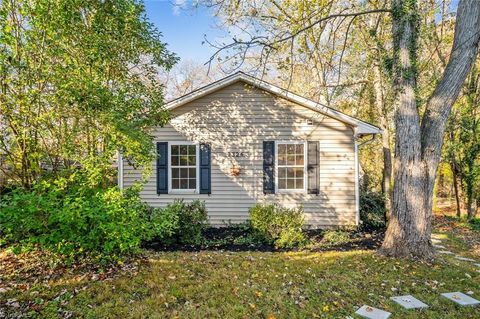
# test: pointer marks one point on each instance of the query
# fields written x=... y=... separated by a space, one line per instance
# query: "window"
x=291 y=166
x=183 y=164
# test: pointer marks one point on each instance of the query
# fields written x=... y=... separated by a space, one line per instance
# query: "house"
x=240 y=141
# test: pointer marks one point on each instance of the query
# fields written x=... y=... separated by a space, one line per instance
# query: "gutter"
x=368 y=141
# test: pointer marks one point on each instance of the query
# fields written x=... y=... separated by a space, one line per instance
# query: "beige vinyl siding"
x=238 y=118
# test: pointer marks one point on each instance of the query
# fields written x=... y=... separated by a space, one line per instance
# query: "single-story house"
x=241 y=140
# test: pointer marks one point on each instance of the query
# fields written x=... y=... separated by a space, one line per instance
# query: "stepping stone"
x=409 y=302
x=372 y=313
x=445 y=252
x=464 y=259
x=436 y=236
x=478 y=265
x=461 y=299
x=436 y=241
x=439 y=246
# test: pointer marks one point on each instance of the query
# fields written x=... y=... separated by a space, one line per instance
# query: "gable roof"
x=362 y=127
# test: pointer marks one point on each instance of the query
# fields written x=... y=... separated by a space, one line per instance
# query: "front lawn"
x=224 y=284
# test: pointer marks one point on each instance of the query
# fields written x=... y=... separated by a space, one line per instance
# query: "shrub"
x=278 y=225
x=475 y=224
x=372 y=209
x=72 y=217
x=180 y=222
x=163 y=224
x=335 y=237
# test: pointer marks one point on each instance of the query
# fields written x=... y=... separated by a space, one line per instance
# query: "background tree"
x=462 y=149
x=187 y=76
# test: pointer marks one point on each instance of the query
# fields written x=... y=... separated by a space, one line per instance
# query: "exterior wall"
x=238 y=118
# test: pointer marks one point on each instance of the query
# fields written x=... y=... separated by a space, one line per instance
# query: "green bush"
x=335 y=237
x=475 y=224
x=278 y=225
x=74 y=218
x=180 y=222
x=372 y=209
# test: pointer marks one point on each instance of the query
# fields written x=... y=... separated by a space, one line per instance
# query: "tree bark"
x=387 y=155
x=455 y=189
x=470 y=211
x=477 y=206
x=418 y=147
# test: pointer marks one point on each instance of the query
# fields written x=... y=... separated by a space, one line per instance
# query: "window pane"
x=175 y=173
x=290 y=159
x=282 y=159
x=183 y=160
x=282 y=172
x=184 y=183
x=299 y=160
x=291 y=172
x=281 y=183
x=191 y=149
x=290 y=149
x=299 y=148
x=183 y=149
x=298 y=183
x=174 y=160
x=183 y=172
x=174 y=150
x=192 y=172
x=282 y=149
x=290 y=183
x=175 y=183
x=191 y=160
x=192 y=183
x=299 y=172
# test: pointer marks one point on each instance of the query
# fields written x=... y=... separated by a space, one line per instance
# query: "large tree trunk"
x=418 y=148
x=387 y=155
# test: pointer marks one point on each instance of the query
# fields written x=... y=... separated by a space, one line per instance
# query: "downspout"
x=367 y=141
x=120 y=170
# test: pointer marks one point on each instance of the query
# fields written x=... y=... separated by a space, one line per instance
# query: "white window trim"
x=305 y=160
x=197 y=166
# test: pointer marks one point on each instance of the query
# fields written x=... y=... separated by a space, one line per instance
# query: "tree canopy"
x=78 y=80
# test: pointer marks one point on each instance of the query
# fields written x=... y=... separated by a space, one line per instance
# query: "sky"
x=184 y=28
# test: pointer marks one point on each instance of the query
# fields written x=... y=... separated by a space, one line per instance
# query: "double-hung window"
x=291 y=166
x=183 y=160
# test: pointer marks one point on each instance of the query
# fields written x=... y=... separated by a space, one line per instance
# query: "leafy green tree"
x=78 y=80
x=462 y=147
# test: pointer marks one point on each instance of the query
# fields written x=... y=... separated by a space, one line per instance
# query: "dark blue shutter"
x=162 y=168
x=205 y=169
x=268 y=167
x=313 y=167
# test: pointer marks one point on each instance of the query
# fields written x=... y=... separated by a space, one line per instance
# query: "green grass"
x=254 y=285
x=259 y=285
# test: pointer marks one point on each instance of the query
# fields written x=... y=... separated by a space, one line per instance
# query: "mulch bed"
x=224 y=239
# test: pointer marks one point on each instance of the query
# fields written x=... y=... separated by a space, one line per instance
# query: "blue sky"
x=183 y=29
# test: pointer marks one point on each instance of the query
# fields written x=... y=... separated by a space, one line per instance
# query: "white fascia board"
x=362 y=127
